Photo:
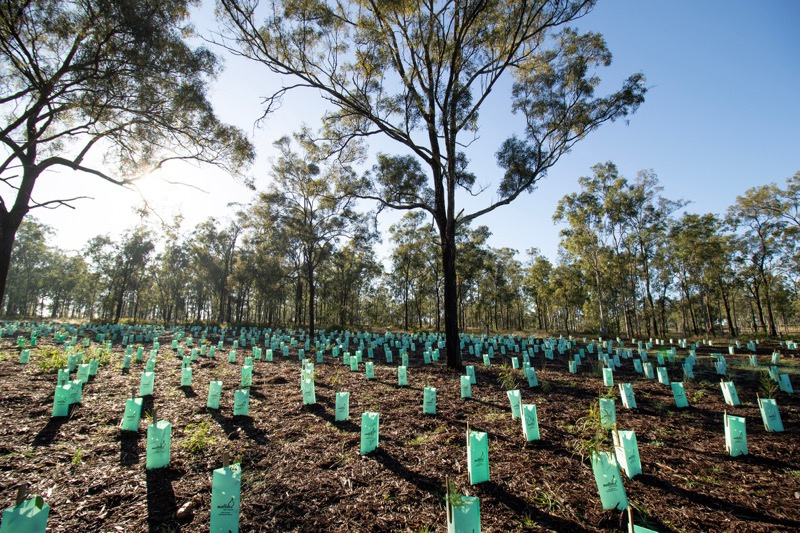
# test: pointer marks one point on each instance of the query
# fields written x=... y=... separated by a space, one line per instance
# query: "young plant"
x=198 y=439
x=102 y=354
x=766 y=385
x=590 y=435
x=51 y=360
x=508 y=377
x=453 y=497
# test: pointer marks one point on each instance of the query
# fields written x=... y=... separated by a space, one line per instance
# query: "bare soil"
x=302 y=471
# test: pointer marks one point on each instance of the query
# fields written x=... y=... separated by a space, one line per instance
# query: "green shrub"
x=51 y=360
x=508 y=377
x=198 y=439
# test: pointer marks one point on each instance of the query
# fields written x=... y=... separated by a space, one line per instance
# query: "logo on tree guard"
x=612 y=485
x=228 y=505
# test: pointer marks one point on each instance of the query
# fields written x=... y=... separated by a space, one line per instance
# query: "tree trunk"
x=728 y=316
x=310 y=280
x=770 y=316
x=9 y=224
x=709 y=317
x=757 y=294
x=450 y=297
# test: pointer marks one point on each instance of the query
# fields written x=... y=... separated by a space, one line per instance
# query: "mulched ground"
x=301 y=471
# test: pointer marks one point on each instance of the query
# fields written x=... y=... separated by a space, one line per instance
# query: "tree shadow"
x=522 y=508
x=738 y=511
x=128 y=448
x=231 y=427
x=345 y=425
x=423 y=482
x=147 y=404
x=48 y=433
x=161 y=504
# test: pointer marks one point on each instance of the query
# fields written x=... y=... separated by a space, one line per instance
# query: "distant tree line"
x=629 y=264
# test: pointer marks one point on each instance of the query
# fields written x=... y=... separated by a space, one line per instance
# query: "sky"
x=721 y=115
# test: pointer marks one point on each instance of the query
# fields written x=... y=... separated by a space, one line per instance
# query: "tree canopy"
x=418 y=72
x=103 y=87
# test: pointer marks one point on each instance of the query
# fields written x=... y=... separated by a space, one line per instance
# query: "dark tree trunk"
x=770 y=316
x=728 y=315
x=450 y=297
x=9 y=224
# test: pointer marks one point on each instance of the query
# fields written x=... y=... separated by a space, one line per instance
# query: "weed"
x=545 y=386
x=548 y=499
x=102 y=354
x=77 y=457
x=51 y=360
x=698 y=395
x=198 y=437
x=493 y=416
x=610 y=394
x=528 y=522
x=336 y=377
x=417 y=441
x=509 y=377
x=643 y=517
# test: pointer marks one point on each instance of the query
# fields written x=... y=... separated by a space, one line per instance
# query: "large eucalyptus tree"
x=111 y=78
x=419 y=72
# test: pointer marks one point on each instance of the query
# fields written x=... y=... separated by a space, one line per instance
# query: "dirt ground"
x=302 y=471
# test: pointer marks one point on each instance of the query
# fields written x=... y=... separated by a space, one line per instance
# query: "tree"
x=31 y=260
x=595 y=229
x=646 y=214
x=117 y=78
x=536 y=285
x=760 y=241
x=213 y=250
x=171 y=273
x=419 y=73
x=408 y=258
x=123 y=265
x=302 y=203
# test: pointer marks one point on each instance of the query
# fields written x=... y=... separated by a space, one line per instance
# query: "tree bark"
x=310 y=280
x=8 y=232
x=450 y=296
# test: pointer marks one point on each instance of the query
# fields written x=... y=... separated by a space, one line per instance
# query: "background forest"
x=630 y=263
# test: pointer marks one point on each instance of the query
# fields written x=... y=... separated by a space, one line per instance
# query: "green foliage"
x=508 y=377
x=418 y=440
x=547 y=498
x=101 y=353
x=589 y=435
x=766 y=385
x=77 y=457
x=51 y=360
x=697 y=396
x=198 y=438
x=336 y=376
x=452 y=495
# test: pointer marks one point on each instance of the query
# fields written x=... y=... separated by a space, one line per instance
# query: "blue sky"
x=722 y=115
